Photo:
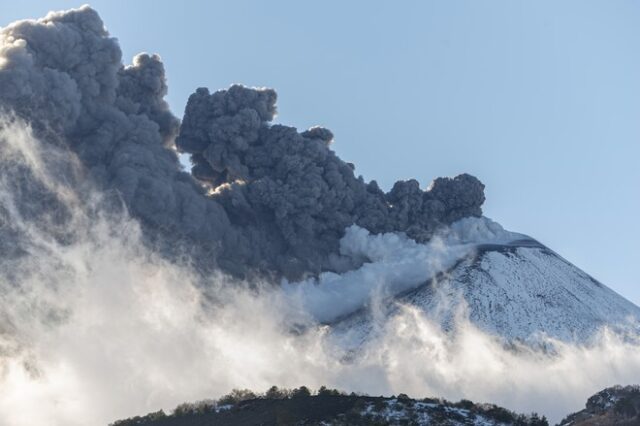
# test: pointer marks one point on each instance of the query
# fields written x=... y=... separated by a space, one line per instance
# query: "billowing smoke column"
x=271 y=177
x=266 y=199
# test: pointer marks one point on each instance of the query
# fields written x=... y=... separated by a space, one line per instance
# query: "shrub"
x=625 y=407
x=465 y=404
x=500 y=414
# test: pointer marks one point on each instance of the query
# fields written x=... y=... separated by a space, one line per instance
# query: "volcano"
x=510 y=286
x=128 y=282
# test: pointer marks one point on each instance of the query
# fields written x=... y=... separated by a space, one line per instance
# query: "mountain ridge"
x=613 y=406
x=330 y=407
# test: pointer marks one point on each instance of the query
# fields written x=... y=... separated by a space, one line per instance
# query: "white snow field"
x=505 y=283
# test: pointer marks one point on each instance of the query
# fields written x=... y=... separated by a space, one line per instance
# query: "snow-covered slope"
x=519 y=291
x=506 y=284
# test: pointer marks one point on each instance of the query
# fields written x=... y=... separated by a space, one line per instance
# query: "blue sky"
x=540 y=100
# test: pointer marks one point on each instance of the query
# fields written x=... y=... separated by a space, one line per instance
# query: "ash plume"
x=265 y=198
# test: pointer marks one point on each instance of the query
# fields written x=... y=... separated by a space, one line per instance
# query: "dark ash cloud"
x=266 y=197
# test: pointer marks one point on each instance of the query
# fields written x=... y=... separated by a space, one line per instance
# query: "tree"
x=276 y=393
x=324 y=391
x=301 y=392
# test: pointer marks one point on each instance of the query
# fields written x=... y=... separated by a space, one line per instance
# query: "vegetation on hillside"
x=326 y=406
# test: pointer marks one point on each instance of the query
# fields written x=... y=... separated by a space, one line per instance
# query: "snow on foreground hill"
x=615 y=405
x=507 y=283
x=330 y=407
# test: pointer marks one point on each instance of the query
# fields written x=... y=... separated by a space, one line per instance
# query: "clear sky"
x=540 y=100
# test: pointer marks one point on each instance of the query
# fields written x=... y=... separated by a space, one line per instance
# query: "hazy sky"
x=540 y=100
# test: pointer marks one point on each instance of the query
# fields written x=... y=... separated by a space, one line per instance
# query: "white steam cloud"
x=396 y=263
x=102 y=328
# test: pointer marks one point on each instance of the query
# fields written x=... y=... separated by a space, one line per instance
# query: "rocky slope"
x=616 y=405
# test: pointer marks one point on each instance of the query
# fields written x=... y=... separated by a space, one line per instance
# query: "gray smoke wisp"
x=266 y=198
